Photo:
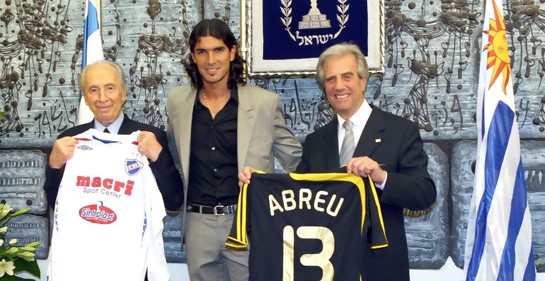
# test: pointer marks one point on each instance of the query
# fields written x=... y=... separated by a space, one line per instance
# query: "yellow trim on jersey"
x=381 y=220
x=240 y=242
x=379 y=246
x=242 y=230
x=328 y=176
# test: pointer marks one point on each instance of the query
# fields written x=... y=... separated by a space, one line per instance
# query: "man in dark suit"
x=103 y=86
x=386 y=147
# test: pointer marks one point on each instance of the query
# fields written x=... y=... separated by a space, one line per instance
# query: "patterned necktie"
x=347 y=148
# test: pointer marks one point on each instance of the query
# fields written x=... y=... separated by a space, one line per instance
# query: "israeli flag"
x=92 y=50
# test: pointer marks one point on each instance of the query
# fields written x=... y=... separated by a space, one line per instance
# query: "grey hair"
x=339 y=50
x=116 y=66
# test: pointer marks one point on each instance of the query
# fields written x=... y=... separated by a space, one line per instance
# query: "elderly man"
x=104 y=88
x=369 y=143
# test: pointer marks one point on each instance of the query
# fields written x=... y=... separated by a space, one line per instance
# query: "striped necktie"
x=347 y=148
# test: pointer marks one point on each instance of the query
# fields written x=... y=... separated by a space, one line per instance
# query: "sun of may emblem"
x=498 y=51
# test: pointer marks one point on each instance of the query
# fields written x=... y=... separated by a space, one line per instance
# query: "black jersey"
x=307 y=226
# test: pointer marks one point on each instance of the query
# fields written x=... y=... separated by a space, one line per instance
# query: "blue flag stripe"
x=530 y=273
x=518 y=205
x=91 y=26
x=482 y=114
x=498 y=140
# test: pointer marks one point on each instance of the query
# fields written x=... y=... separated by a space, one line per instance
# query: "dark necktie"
x=106 y=130
x=347 y=148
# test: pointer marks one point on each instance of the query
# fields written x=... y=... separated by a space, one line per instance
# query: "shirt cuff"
x=381 y=186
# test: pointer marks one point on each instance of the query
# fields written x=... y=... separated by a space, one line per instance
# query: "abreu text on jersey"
x=306 y=199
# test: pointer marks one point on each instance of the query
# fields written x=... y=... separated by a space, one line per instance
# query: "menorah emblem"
x=314 y=19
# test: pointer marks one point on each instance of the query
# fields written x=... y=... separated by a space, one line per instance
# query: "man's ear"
x=364 y=84
x=124 y=96
x=85 y=99
x=233 y=52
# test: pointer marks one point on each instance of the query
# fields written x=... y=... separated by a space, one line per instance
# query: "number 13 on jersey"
x=321 y=259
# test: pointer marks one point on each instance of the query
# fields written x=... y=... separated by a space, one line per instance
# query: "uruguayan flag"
x=92 y=49
x=499 y=234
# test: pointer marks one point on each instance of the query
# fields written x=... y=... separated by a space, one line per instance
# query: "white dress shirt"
x=359 y=120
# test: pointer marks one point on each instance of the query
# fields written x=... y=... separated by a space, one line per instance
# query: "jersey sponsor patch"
x=98 y=213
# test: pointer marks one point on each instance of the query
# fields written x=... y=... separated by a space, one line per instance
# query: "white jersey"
x=108 y=219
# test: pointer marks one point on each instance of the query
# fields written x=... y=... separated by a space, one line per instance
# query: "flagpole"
x=92 y=49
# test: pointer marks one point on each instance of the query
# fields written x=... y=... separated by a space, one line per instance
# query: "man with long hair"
x=220 y=125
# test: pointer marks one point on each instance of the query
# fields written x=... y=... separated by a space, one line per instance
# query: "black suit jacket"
x=395 y=143
x=167 y=176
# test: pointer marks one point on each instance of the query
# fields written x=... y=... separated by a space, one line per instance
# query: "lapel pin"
x=378 y=140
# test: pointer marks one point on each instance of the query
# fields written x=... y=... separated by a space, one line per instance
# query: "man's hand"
x=364 y=167
x=63 y=150
x=245 y=175
x=148 y=145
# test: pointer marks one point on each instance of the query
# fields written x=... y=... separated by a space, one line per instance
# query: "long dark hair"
x=220 y=30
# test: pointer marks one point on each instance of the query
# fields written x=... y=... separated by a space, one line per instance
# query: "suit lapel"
x=330 y=145
x=185 y=109
x=127 y=126
x=245 y=124
x=371 y=136
x=87 y=126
